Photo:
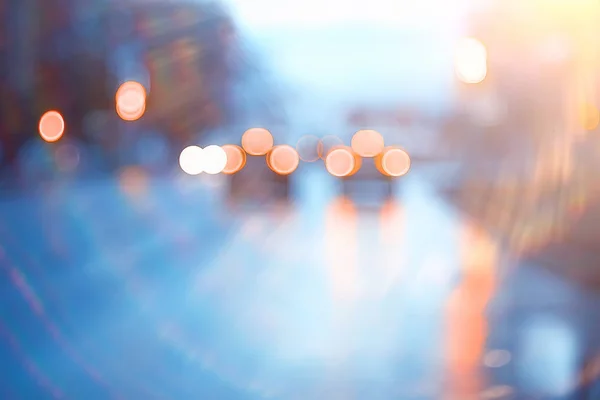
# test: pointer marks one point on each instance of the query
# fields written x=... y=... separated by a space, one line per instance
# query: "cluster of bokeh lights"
x=130 y=105
x=340 y=161
x=195 y=160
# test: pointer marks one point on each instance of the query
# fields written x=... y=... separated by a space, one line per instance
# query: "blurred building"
x=526 y=124
x=538 y=69
x=71 y=56
x=17 y=30
x=179 y=52
x=53 y=59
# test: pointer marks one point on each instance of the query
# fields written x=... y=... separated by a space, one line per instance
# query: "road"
x=166 y=293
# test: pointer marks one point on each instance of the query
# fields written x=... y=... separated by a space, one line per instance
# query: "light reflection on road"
x=362 y=290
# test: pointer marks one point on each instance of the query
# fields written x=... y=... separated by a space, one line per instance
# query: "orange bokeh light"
x=236 y=159
x=342 y=162
x=283 y=160
x=131 y=101
x=367 y=143
x=393 y=162
x=51 y=126
x=309 y=148
x=257 y=141
x=131 y=116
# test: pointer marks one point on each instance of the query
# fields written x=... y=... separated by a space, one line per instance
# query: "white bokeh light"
x=191 y=160
x=214 y=159
x=470 y=61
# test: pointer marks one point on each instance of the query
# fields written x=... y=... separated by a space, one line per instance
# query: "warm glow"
x=52 y=126
x=341 y=252
x=590 y=117
x=236 y=159
x=283 y=160
x=191 y=160
x=466 y=307
x=131 y=116
x=367 y=143
x=214 y=160
x=310 y=148
x=470 y=61
x=392 y=223
x=257 y=141
x=131 y=101
x=341 y=162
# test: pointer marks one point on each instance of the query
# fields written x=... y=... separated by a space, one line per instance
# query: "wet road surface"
x=170 y=294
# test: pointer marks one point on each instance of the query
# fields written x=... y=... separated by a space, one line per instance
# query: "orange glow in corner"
x=393 y=162
x=131 y=101
x=367 y=143
x=309 y=148
x=51 y=126
x=257 y=141
x=283 y=160
x=236 y=159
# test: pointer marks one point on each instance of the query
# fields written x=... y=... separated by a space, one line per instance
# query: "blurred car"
x=375 y=134
x=368 y=186
x=255 y=184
